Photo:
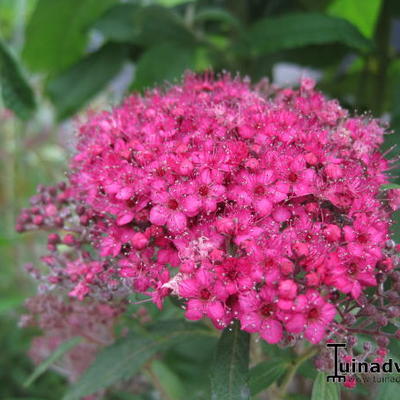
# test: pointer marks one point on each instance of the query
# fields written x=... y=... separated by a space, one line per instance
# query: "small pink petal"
x=210 y=204
x=191 y=205
x=328 y=312
x=215 y=310
x=263 y=207
x=296 y=323
x=250 y=322
x=176 y=222
x=125 y=193
x=314 y=332
x=281 y=214
x=271 y=331
x=356 y=290
x=158 y=215
x=125 y=219
x=188 y=288
x=194 y=310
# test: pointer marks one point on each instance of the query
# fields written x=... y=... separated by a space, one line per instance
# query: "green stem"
x=291 y=372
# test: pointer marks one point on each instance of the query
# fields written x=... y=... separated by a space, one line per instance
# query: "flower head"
x=266 y=210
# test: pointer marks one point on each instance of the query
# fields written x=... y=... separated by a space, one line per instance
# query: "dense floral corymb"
x=260 y=206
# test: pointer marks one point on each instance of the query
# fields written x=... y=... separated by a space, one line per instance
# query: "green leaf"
x=124 y=358
x=323 y=390
x=11 y=13
x=167 y=379
x=388 y=390
x=315 y=5
x=17 y=95
x=362 y=14
x=56 y=34
x=307 y=369
x=297 y=396
x=230 y=371
x=70 y=90
x=58 y=353
x=143 y=25
x=298 y=30
x=218 y=15
x=388 y=186
x=118 y=23
x=173 y=3
x=164 y=62
x=265 y=374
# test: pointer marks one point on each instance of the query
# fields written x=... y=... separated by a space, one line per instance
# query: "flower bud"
x=69 y=239
x=53 y=238
x=332 y=233
x=139 y=241
x=382 y=341
x=381 y=320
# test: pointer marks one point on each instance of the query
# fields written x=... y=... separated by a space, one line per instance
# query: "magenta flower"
x=259 y=315
x=202 y=300
x=172 y=207
x=311 y=314
x=264 y=207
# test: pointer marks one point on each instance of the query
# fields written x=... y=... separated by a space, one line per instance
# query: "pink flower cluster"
x=262 y=208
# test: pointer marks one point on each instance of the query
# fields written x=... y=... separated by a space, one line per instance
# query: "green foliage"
x=118 y=23
x=123 y=359
x=163 y=62
x=10 y=12
x=193 y=367
x=168 y=380
x=265 y=374
x=323 y=390
x=268 y=35
x=15 y=366
x=387 y=391
x=143 y=25
x=78 y=84
x=218 y=15
x=16 y=92
x=390 y=186
x=363 y=16
x=56 y=34
x=195 y=35
x=230 y=371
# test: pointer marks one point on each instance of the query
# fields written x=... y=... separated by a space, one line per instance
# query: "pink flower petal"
x=271 y=331
x=296 y=323
x=125 y=219
x=158 y=215
x=188 y=288
x=125 y=193
x=194 y=310
x=176 y=222
x=250 y=322
x=314 y=332
x=215 y=310
x=263 y=207
x=191 y=205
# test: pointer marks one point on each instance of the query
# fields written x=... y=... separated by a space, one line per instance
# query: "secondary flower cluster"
x=265 y=208
x=60 y=321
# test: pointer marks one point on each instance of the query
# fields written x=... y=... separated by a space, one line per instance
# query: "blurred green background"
x=58 y=57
